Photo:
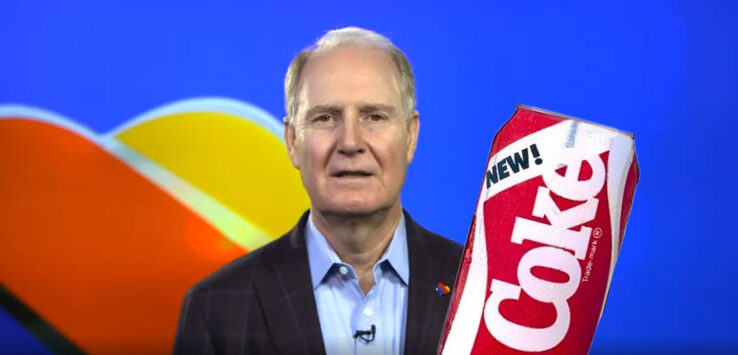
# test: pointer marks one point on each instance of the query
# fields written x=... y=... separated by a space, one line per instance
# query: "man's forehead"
x=350 y=75
x=351 y=53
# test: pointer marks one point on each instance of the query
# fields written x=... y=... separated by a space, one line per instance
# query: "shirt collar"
x=321 y=256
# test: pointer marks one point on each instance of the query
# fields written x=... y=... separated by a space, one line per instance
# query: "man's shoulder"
x=240 y=273
x=434 y=242
x=442 y=243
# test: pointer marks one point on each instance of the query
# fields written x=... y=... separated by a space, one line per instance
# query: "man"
x=356 y=275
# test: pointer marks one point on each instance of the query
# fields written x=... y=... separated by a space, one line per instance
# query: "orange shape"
x=98 y=251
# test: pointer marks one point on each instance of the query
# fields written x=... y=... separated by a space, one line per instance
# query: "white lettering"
x=569 y=185
x=552 y=258
x=558 y=238
x=547 y=234
x=519 y=336
x=572 y=217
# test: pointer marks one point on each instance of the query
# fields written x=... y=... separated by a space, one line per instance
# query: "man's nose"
x=350 y=139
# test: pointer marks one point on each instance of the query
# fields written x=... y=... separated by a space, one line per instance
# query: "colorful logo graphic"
x=442 y=289
x=102 y=234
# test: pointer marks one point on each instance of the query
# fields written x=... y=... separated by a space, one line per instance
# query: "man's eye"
x=377 y=117
x=322 y=118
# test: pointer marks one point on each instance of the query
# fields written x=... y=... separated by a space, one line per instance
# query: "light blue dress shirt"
x=342 y=307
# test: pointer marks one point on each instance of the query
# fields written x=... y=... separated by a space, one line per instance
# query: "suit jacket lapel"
x=424 y=305
x=286 y=295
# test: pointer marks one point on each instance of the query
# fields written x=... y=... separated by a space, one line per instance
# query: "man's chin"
x=354 y=211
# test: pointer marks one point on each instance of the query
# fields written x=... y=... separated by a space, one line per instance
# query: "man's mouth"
x=351 y=173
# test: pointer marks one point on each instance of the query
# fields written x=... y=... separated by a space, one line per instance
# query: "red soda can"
x=545 y=237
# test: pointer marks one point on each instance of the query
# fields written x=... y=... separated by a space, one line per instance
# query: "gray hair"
x=349 y=36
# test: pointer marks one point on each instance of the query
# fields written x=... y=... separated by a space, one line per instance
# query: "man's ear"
x=413 y=127
x=289 y=139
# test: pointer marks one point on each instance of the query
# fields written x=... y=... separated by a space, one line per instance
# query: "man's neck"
x=359 y=241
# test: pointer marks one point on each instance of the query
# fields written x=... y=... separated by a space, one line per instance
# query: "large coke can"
x=544 y=239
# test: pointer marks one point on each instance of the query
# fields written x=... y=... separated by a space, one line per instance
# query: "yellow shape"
x=240 y=164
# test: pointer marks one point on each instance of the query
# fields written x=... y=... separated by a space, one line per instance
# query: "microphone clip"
x=366 y=335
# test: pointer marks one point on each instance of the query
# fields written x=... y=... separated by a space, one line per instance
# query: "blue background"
x=667 y=71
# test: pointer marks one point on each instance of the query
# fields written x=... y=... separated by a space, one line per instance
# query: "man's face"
x=351 y=138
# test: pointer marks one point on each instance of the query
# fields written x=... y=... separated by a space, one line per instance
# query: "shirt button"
x=343 y=270
x=368 y=312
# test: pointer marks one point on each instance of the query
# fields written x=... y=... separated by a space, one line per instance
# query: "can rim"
x=548 y=112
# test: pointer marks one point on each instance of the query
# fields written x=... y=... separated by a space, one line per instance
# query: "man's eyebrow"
x=333 y=109
x=367 y=108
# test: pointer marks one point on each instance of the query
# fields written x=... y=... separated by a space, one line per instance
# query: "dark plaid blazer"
x=263 y=303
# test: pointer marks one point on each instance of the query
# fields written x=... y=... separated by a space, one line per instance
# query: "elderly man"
x=356 y=275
